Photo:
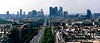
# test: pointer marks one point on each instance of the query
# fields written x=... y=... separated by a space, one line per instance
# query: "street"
x=38 y=38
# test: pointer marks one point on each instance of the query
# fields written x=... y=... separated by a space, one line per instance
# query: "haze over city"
x=49 y=21
x=72 y=6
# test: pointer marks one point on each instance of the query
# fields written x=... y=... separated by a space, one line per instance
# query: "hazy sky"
x=72 y=6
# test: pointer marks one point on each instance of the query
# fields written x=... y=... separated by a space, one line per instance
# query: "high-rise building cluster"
x=21 y=14
x=34 y=13
x=55 y=12
x=58 y=27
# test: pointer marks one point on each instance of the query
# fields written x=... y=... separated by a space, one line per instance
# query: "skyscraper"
x=29 y=14
x=89 y=15
x=24 y=14
x=34 y=12
x=78 y=15
x=20 y=12
x=42 y=13
x=65 y=14
x=88 y=12
x=53 y=11
x=8 y=14
x=60 y=11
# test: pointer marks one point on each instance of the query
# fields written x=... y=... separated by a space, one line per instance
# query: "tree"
x=50 y=40
x=47 y=37
x=43 y=40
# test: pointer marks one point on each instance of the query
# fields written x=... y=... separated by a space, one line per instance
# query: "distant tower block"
x=8 y=14
x=20 y=12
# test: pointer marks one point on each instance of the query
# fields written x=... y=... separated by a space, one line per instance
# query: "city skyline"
x=72 y=6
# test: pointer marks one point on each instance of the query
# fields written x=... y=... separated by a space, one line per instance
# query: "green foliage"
x=38 y=23
x=43 y=40
x=47 y=37
x=50 y=40
x=30 y=35
x=4 y=21
x=47 y=22
x=49 y=33
x=97 y=23
x=41 y=23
